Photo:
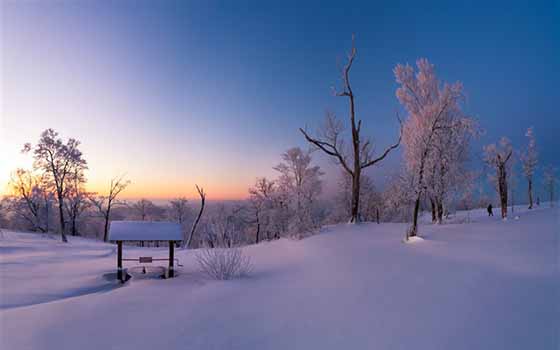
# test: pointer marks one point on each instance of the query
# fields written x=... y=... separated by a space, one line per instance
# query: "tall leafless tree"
x=498 y=158
x=202 y=194
x=332 y=144
x=105 y=204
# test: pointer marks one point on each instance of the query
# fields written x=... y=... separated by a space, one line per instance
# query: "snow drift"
x=485 y=285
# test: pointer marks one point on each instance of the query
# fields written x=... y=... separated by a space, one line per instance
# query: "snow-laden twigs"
x=224 y=264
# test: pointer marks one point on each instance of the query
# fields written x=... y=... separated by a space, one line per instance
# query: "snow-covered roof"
x=144 y=231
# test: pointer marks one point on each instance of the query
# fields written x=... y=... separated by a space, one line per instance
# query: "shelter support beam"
x=171 y=258
x=119 y=261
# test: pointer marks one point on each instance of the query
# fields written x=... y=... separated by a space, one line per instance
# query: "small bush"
x=223 y=263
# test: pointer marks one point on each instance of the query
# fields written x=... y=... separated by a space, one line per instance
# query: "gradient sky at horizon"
x=175 y=93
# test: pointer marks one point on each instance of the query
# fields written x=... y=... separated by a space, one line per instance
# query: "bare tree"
x=179 y=209
x=77 y=201
x=497 y=157
x=202 y=194
x=144 y=208
x=332 y=144
x=370 y=199
x=29 y=200
x=105 y=204
x=262 y=203
x=58 y=160
x=224 y=228
x=550 y=181
x=529 y=160
x=3 y=215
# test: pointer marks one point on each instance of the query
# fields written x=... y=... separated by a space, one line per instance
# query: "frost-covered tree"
x=179 y=209
x=58 y=160
x=29 y=200
x=77 y=200
x=331 y=142
x=512 y=186
x=398 y=197
x=146 y=209
x=433 y=110
x=300 y=183
x=529 y=161
x=550 y=179
x=261 y=199
x=497 y=157
x=3 y=215
x=467 y=195
x=224 y=228
x=105 y=203
x=447 y=162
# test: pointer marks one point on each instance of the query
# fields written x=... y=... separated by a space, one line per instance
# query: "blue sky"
x=177 y=92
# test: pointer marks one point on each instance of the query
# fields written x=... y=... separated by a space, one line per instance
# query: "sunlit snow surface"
x=488 y=284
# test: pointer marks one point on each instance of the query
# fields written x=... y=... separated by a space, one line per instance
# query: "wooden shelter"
x=142 y=231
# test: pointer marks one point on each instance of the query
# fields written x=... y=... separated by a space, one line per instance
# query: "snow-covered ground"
x=488 y=284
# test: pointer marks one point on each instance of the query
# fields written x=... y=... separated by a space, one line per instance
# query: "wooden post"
x=171 y=258
x=119 y=261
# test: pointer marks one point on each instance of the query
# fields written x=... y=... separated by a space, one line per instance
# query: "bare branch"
x=328 y=148
x=202 y=195
x=389 y=149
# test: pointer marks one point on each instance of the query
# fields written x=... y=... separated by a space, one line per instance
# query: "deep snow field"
x=488 y=284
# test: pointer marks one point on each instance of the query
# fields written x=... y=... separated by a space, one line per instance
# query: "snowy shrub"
x=223 y=264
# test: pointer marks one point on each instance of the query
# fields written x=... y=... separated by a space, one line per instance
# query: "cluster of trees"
x=501 y=158
x=289 y=204
x=435 y=136
x=54 y=189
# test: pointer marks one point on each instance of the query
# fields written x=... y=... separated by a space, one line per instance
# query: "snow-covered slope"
x=485 y=285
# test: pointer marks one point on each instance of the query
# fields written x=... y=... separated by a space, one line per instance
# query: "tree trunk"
x=530 y=194
x=439 y=211
x=433 y=204
x=61 y=214
x=355 y=209
x=47 y=205
x=377 y=215
x=106 y=228
x=414 y=230
x=502 y=186
x=74 y=230
x=258 y=230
